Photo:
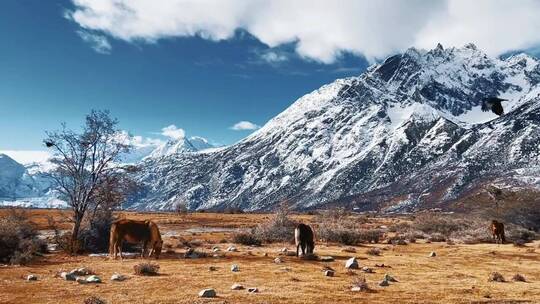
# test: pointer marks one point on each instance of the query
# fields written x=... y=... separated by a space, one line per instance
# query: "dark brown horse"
x=131 y=231
x=497 y=231
x=303 y=236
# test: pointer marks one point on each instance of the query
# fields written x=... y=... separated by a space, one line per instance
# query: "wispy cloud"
x=244 y=125
x=97 y=42
x=274 y=57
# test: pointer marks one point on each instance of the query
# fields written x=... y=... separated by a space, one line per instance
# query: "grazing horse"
x=131 y=231
x=497 y=231
x=303 y=236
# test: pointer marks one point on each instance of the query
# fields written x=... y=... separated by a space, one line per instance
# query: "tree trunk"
x=75 y=233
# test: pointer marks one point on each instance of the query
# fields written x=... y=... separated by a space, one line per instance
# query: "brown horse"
x=303 y=236
x=131 y=231
x=497 y=231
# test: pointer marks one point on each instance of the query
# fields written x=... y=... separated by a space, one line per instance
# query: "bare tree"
x=85 y=162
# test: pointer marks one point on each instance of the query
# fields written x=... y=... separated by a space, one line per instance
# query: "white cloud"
x=137 y=141
x=244 y=125
x=322 y=29
x=273 y=57
x=173 y=132
x=99 y=43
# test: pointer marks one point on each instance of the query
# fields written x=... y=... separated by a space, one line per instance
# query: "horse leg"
x=152 y=251
x=303 y=249
x=120 y=250
x=144 y=245
x=297 y=249
x=113 y=250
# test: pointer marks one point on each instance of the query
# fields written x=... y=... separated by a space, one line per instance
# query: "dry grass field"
x=457 y=274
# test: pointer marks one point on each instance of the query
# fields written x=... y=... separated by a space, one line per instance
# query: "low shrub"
x=496 y=277
x=247 y=238
x=279 y=228
x=373 y=251
x=146 y=269
x=518 y=278
x=94 y=300
x=94 y=235
x=19 y=243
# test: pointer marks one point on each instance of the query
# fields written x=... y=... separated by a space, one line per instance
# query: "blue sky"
x=48 y=75
x=205 y=66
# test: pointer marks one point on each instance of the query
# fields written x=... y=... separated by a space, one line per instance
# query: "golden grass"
x=458 y=274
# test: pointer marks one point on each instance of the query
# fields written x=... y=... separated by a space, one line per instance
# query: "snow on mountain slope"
x=402 y=128
x=19 y=182
x=181 y=145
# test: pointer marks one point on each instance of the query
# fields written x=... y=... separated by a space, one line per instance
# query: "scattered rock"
x=80 y=280
x=432 y=254
x=207 y=293
x=93 y=279
x=360 y=284
x=67 y=276
x=31 y=277
x=118 y=277
x=399 y=242
x=351 y=263
x=326 y=259
x=216 y=250
x=383 y=266
x=235 y=268
x=518 y=278
x=212 y=268
x=329 y=273
x=349 y=249
x=236 y=286
x=253 y=289
x=190 y=254
x=389 y=278
x=232 y=249
x=384 y=283
x=367 y=269
x=265 y=254
x=284 y=250
x=290 y=253
x=83 y=271
x=278 y=260
x=496 y=277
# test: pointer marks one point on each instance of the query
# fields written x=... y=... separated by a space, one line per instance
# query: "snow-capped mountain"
x=181 y=145
x=405 y=134
x=25 y=185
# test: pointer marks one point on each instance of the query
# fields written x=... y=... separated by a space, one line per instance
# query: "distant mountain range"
x=27 y=184
x=407 y=134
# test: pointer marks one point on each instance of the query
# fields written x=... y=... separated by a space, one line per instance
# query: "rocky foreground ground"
x=421 y=272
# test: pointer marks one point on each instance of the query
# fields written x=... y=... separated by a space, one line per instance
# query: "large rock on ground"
x=207 y=293
x=351 y=263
